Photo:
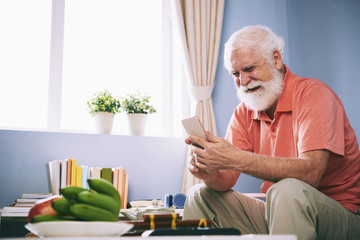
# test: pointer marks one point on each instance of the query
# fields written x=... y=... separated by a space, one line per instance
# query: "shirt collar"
x=285 y=100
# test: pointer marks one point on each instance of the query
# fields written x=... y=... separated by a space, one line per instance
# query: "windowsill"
x=120 y=134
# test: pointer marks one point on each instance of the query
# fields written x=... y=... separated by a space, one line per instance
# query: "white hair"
x=256 y=37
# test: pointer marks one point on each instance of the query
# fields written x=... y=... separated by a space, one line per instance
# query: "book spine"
x=78 y=181
x=73 y=172
x=68 y=172
x=121 y=186
x=85 y=176
x=106 y=173
x=63 y=175
x=115 y=179
x=126 y=184
x=54 y=176
x=95 y=172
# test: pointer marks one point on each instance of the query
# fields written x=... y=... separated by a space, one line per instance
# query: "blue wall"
x=155 y=165
x=322 y=41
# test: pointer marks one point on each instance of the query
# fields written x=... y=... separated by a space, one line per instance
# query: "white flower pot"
x=137 y=123
x=104 y=122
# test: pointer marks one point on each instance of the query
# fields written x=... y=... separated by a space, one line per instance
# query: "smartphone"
x=193 y=126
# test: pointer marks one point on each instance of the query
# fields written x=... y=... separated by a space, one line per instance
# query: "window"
x=122 y=46
x=24 y=62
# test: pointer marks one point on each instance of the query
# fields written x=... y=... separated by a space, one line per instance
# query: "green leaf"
x=103 y=101
x=137 y=103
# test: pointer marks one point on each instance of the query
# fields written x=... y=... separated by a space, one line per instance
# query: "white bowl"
x=78 y=229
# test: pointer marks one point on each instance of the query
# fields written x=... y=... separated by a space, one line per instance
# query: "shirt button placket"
x=273 y=132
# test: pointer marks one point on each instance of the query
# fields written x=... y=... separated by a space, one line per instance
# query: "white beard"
x=265 y=97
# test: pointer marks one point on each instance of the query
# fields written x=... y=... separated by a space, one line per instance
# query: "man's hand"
x=208 y=163
x=193 y=163
x=196 y=171
x=217 y=153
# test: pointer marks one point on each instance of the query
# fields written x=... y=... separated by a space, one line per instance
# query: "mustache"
x=255 y=84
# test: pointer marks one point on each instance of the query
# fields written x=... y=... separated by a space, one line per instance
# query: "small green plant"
x=137 y=103
x=103 y=101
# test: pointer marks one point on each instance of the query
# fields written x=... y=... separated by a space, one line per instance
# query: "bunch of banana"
x=101 y=204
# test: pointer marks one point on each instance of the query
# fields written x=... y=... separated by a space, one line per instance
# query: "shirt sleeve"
x=320 y=119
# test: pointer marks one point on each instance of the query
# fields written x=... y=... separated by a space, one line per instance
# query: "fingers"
x=198 y=162
x=199 y=154
x=193 y=160
x=195 y=139
x=209 y=136
x=188 y=141
x=193 y=169
x=197 y=172
x=193 y=166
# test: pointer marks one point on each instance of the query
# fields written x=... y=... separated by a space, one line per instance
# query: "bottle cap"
x=179 y=200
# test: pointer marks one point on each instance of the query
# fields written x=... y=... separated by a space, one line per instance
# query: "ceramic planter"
x=104 y=122
x=137 y=123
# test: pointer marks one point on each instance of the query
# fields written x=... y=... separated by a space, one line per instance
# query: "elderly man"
x=290 y=131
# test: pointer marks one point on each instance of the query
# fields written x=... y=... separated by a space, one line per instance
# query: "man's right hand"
x=196 y=171
x=219 y=180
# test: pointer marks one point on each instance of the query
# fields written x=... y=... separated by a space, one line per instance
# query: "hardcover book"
x=95 y=172
x=36 y=195
x=63 y=173
x=73 y=172
x=85 y=176
x=78 y=181
x=107 y=174
x=53 y=168
x=68 y=172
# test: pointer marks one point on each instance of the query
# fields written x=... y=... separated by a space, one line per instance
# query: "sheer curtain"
x=198 y=24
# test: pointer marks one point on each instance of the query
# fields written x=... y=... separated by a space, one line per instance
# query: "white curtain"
x=198 y=24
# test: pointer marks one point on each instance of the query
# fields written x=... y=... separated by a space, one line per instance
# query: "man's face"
x=259 y=84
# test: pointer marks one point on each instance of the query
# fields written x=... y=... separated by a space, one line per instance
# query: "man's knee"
x=288 y=187
x=197 y=192
x=196 y=202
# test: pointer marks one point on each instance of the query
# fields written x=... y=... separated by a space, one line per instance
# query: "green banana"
x=92 y=213
x=101 y=185
x=47 y=218
x=99 y=200
x=61 y=206
x=71 y=192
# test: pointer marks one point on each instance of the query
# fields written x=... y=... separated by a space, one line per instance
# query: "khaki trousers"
x=292 y=207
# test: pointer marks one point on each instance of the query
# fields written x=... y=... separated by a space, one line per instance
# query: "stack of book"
x=66 y=172
x=22 y=205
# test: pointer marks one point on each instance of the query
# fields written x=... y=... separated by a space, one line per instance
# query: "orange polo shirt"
x=309 y=116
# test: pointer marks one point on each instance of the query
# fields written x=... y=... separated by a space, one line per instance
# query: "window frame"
x=55 y=66
x=172 y=118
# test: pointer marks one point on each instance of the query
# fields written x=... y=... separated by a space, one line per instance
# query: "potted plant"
x=137 y=107
x=103 y=107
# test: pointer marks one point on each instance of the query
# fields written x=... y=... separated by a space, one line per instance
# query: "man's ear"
x=277 y=59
